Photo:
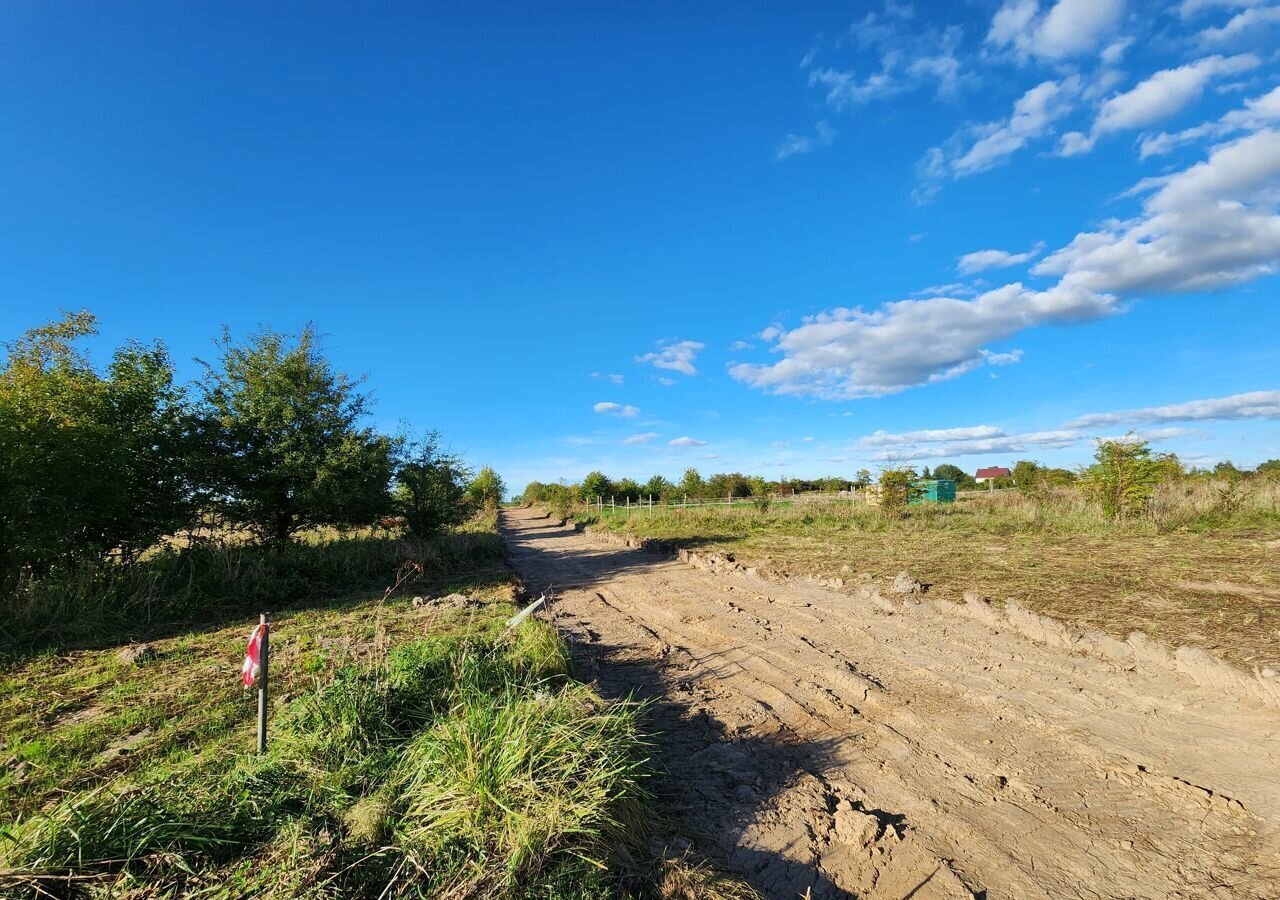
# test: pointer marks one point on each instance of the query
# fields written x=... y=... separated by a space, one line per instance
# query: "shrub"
x=1123 y=478
x=898 y=488
x=486 y=489
x=430 y=487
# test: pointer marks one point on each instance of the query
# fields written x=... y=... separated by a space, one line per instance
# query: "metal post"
x=263 y=657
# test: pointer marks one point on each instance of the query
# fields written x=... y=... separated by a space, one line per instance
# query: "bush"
x=430 y=488
x=1123 y=478
x=898 y=488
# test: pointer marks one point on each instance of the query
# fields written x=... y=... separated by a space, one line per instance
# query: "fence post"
x=264 y=654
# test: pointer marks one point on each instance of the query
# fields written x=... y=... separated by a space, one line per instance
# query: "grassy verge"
x=1197 y=571
x=417 y=749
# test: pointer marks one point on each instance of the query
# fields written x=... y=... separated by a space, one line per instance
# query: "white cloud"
x=1160 y=96
x=850 y=353
x=1244 y=23
x=1251 y=405
x=686 y=441
x=1257 y=112
x=981 y=260
x=779 y=445
x=613 y=377
x=644 y=438
x=1033 y=116
x=609 y=408
x=796 y=144
x=1068 y=28
x=1000 y=443
x=932 y=435
x=677 y=356
x=771 y=333
x=1189 y=8
x=1209 y=226
x=807 y=440
x=667 y=382
x=918 y=237
x=742 y=345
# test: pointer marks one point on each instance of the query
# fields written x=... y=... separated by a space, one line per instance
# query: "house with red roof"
x=991 y=473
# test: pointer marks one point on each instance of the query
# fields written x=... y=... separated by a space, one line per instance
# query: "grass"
x=1201 y=568
x=416 y=750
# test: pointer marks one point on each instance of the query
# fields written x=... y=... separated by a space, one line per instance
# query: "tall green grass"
x=466 y=765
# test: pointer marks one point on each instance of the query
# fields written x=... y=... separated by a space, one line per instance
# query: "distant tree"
x=658 y=488
x=724 y=484
x=1122 y=478
x=430 y=487
x=692 y=485
x=534 y=492
x=596 y=484
x=948 y=472
x=864 y=478
x=283 y=439
x=758 y=486
x=925 y=473
x=1027 y=477
x=898 y=487
x=1226 y=469
x=626 y=489
x=486 y=489
x=1269 y=469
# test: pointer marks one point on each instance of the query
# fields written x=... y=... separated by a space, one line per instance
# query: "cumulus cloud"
x=686 y=441
x=1248 y=22
x=1001 y=442
x=1209 y=226
x=677 y=356
x=1160 y=96
x=609 y=408
x=1067 y=28
x=1033 y=116
x=796 y=144
x=1251 y=405
x=644 y=438
x=982 y=260
x=932 y=435
x=1257 y=112
x=849 y=353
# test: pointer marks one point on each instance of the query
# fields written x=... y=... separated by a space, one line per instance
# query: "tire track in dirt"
x=813 y=740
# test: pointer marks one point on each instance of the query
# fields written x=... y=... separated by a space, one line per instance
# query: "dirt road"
x=815 y=740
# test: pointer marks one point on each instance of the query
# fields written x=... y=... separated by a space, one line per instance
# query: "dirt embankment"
x=820 y=741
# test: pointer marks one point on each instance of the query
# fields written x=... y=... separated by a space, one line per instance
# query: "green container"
x=939 y=490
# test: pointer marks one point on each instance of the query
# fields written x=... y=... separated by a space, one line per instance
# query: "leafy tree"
x=1269 y=469
x=949 y=472
x=925 y=474
x=692 y=485
x=723 y=484
x=626 y=489
x=1027 y=476
x=90 y=464
x=758 y=486
x=486 y=489
x=284 y=442
x=430 y=487
x=534 y=492
x=1123 y=478
x=864 y=478
x=658 y=488
x=898 y=488
x=596 y=484
x=1226 y=469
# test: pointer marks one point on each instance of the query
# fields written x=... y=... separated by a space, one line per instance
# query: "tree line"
x=104 y=463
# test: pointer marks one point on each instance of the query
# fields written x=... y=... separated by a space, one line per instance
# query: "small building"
x=935 y=490
x=990 y=474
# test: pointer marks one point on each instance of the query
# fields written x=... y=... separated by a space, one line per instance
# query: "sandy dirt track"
x=814 y=740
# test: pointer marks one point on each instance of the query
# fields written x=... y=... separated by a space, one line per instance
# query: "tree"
x=1269 y=469
x=864 y=478
x=430 y=487
x=596 y=485
x=1027 y=476
x=626 y=489
x=486 y=489
x=91 y=463
x=692 y=485
x=949 y=472
x=658 y=488
x=1123 y=478
x=898 y=488
x=925 y=474
x=283 y=439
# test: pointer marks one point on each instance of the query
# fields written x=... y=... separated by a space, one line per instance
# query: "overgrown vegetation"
x=126 y=497
x=465 y=764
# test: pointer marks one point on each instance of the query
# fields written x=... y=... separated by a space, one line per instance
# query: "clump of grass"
x=468 y=762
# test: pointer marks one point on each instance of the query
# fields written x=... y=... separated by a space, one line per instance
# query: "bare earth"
x=815 y=741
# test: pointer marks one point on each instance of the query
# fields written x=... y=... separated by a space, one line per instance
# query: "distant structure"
x=989 y=475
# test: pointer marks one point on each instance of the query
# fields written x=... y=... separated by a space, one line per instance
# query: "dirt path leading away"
x=816 y=741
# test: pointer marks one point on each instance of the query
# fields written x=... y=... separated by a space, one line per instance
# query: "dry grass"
x=1201 y=568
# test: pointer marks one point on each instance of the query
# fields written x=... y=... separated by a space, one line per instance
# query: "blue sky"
x=794 y=239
